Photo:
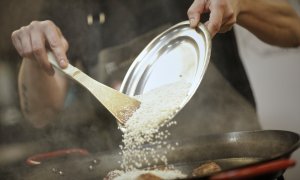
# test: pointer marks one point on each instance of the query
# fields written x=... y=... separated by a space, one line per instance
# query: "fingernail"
x=62 y=63
x=192 y=20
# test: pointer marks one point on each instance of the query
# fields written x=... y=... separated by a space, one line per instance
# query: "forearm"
x=42 y=96
x=272 y=21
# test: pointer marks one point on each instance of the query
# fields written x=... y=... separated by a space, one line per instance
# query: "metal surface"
x=231 y=151
x=118 y=104
x=179 y=53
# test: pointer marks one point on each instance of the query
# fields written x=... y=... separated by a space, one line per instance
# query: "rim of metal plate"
x=179 y=53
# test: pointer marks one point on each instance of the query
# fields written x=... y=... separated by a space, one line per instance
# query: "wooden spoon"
x=120 y=105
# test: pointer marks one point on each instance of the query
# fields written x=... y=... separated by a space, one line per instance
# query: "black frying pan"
x=235 y=150
x=232 y=151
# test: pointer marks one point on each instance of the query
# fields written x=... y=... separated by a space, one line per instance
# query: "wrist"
x=243 y=7
x=33 y=68
x=30 y=63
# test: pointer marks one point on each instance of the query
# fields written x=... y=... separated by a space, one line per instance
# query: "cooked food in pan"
x=145 y=175
x=206 y=169
x=148 y=176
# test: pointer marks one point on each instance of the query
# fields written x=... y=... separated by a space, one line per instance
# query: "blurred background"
x=273 y=73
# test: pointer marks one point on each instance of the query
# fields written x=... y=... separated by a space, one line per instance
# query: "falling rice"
x=157 y=108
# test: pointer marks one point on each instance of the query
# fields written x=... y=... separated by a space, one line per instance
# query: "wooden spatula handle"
x=70 y=70
x=120 y=105
x=76 y=74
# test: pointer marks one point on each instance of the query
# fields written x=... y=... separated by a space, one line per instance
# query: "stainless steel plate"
x=179 y=53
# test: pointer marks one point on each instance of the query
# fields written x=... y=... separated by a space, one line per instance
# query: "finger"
x=195 y=11
x=56 y=45
x=65 y=44
x=64 y=41
x=59 y=31
x=39 y=51
x=228 y=23
x=17 y=43
x=225 y=28
x=24 y=38
x=215 y=20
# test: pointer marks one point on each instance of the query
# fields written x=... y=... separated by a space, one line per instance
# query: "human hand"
x=223 y=14
x=31 y=41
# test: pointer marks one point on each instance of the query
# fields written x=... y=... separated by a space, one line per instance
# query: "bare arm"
x=42 y=90
x=273 y=21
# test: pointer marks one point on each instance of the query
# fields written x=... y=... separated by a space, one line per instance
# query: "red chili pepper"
x=255 y=170
x=39 y=158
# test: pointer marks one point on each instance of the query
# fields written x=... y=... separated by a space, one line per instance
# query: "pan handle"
x=255 y=170
x=38 y=158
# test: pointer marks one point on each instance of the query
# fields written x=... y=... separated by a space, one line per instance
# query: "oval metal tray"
x=179 y=53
